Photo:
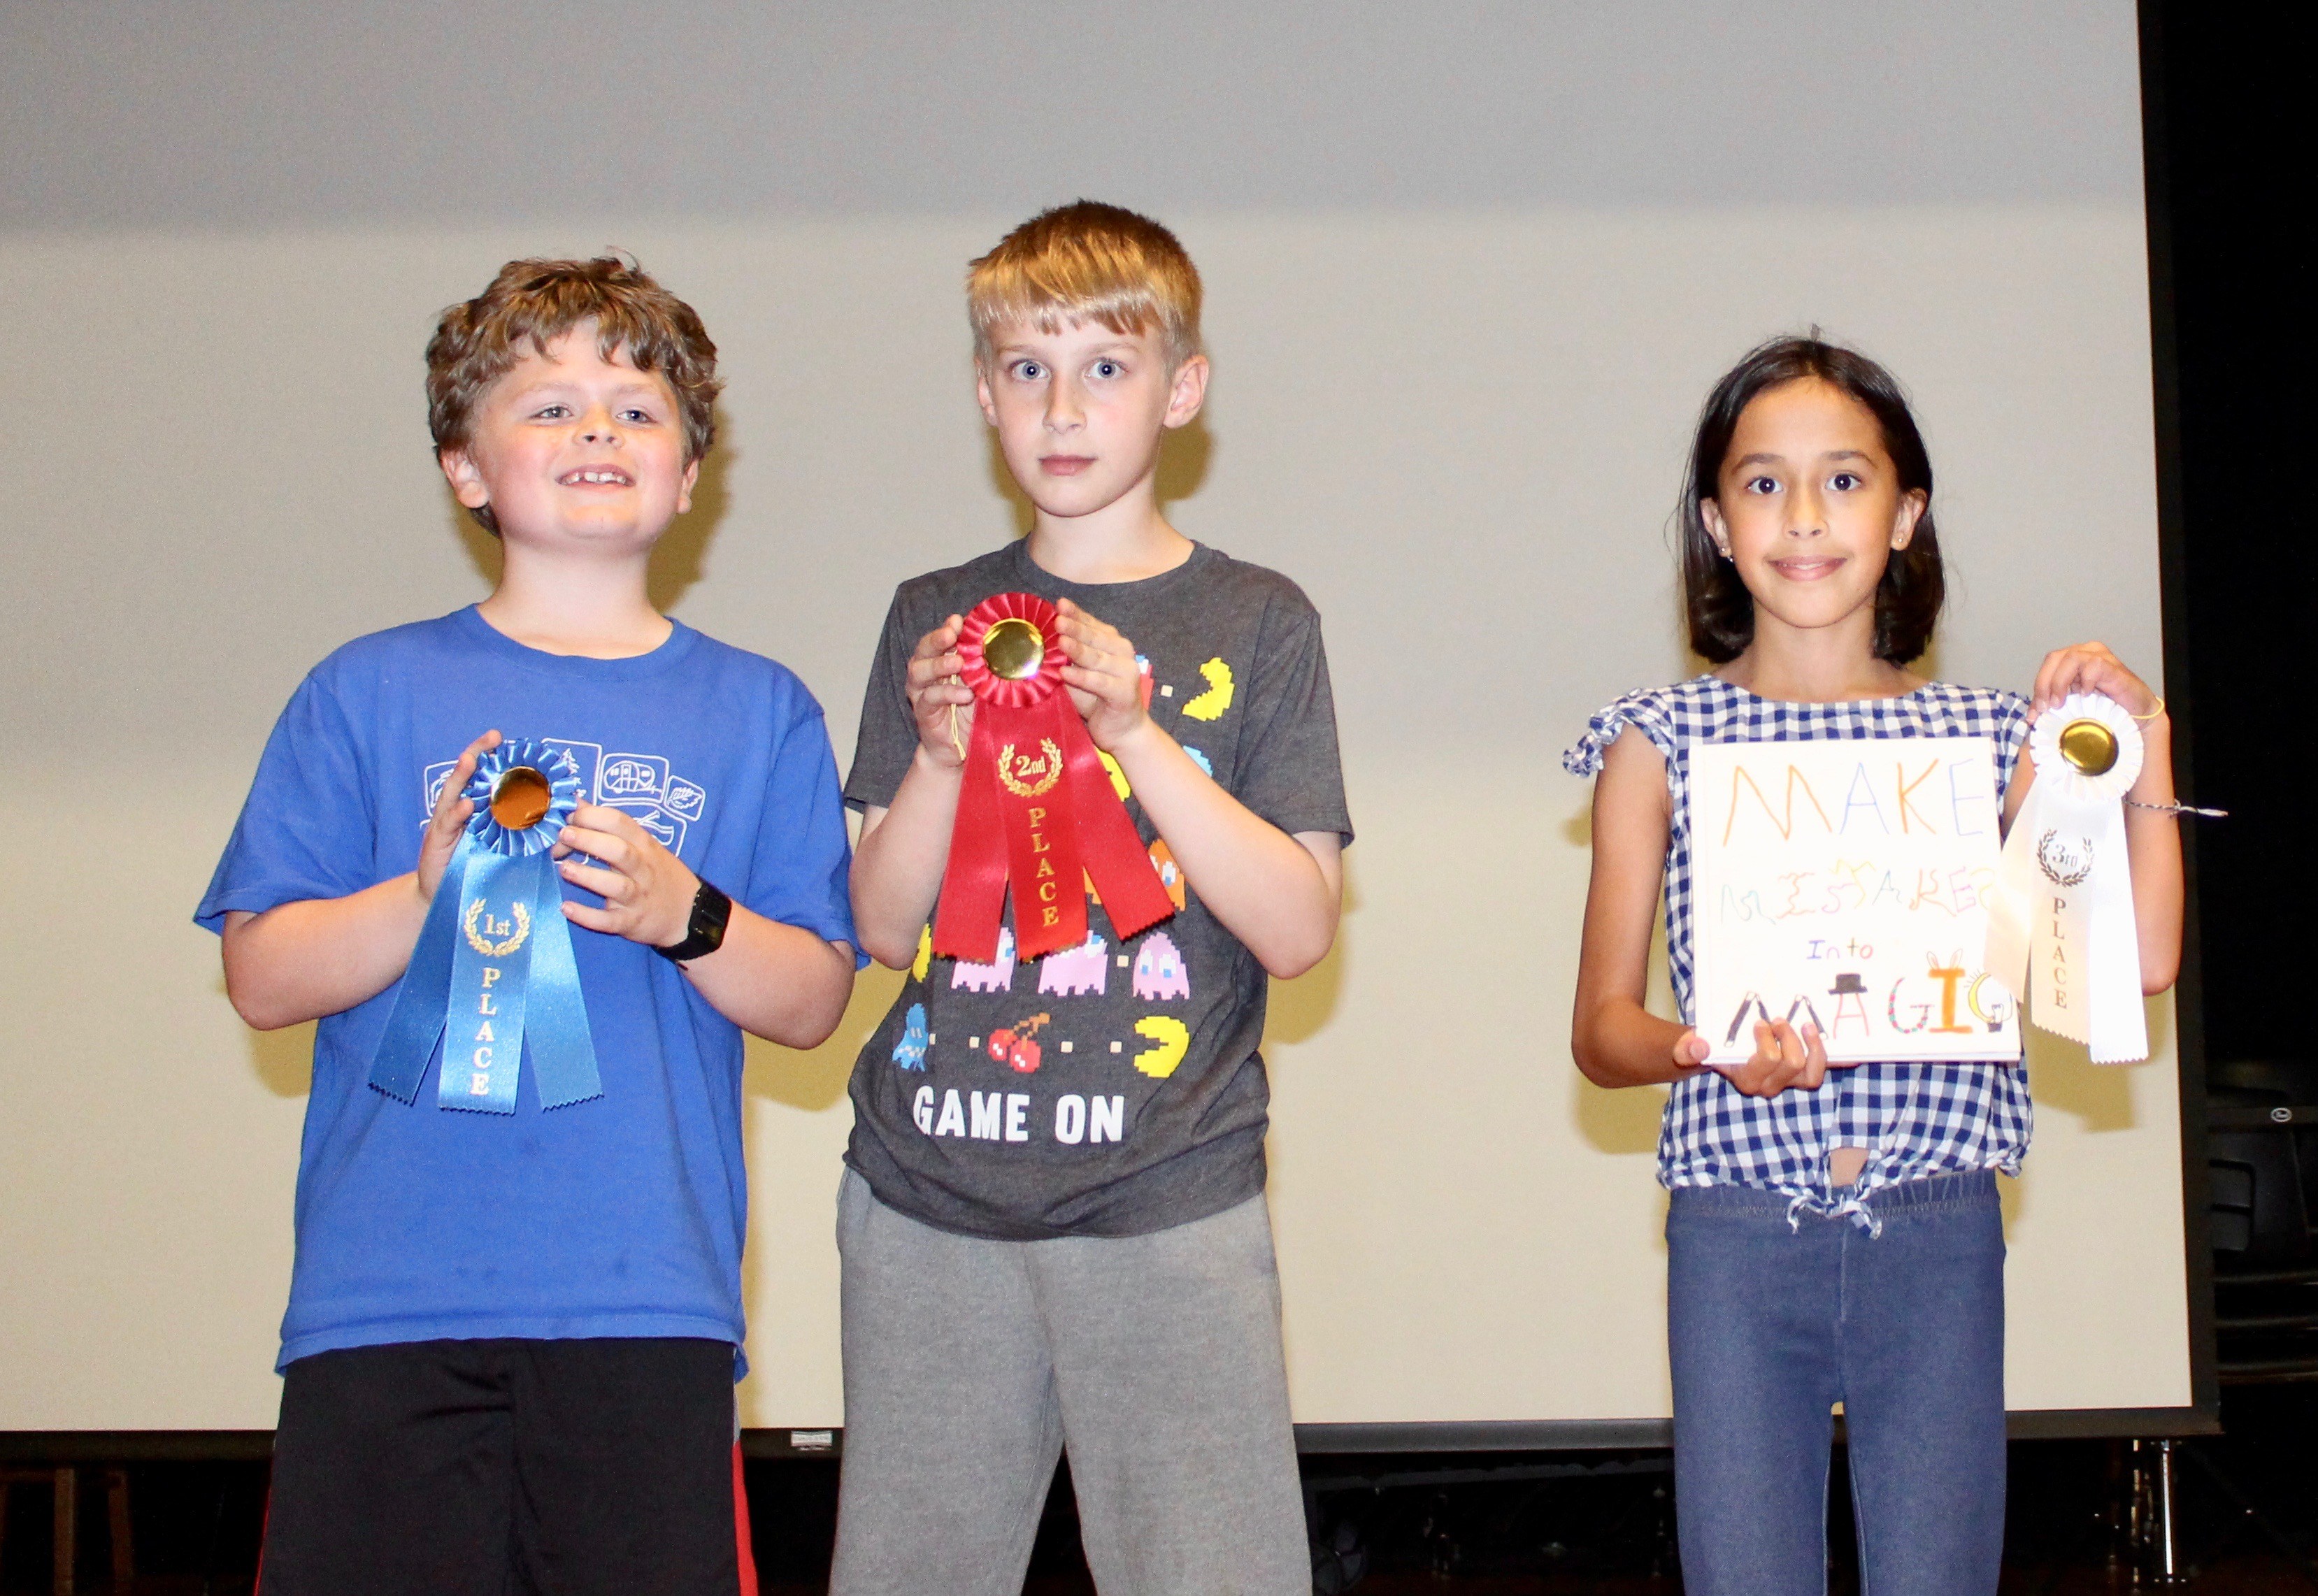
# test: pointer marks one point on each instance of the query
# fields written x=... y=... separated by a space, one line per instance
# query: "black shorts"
x=482 y=1468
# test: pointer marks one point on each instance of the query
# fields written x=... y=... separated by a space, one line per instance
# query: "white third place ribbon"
x=2060 y=932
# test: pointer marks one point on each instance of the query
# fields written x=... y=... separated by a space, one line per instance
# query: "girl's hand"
x=647 y=891
x=1690 y=1051
x=2089 y=667
x=1783 y=1057
x=1105 y=682
x=452 y=809
x=942 y=704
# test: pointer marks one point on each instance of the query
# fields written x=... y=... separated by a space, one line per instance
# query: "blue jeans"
x=1768 y=1327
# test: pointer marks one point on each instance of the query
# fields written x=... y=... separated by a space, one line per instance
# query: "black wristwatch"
x=706 y=934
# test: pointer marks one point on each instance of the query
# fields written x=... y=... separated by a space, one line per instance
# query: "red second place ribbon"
x=1038 y=811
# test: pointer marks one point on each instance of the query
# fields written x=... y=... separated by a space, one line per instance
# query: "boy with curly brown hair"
x=515 y=1317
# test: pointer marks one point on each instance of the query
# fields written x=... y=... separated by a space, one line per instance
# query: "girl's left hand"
x=1105 y=682
x=1786 y=1056
x=647 y=891
x=2090 y=668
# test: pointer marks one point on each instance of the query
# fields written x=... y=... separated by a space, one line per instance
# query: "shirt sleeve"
x=2010 y=733
x=309 y=827
x=1290 y=770
x=802 y=858
x=888 y=738
x=1645 y=712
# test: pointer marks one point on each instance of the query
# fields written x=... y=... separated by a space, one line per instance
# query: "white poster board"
x=1845 y=884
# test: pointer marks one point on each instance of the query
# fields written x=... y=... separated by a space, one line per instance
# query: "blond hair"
x=1087 y=262
x=534 y=302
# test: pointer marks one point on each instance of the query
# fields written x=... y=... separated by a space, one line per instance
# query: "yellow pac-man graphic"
x=1117 y=777
x=1210 y=704
x=925 y=952
x=1173 y=1039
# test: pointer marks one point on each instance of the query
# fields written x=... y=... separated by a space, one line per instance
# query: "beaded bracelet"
x=2178 y=808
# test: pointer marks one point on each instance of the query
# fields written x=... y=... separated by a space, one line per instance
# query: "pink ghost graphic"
x=1159 y=969
x=997 y=977
x=1082 y=968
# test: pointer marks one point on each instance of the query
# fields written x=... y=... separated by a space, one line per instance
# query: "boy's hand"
x=1690 y=1051
x=452 y=809
x=942 y=705
x=1105 y=682
x=647 y=891
x=1783 y=1057
x=2089 y=667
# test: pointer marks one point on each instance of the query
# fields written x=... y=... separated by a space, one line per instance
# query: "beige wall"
x=1461 y=427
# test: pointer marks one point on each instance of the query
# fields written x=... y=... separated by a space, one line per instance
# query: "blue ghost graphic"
x=910 y=1052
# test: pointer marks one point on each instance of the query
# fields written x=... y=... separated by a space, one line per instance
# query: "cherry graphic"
x=1012 y=1045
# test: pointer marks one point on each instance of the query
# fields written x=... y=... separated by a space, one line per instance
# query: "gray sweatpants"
x=970 y=1364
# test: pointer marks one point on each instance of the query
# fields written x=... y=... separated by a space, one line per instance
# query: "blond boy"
x=1077 y=1255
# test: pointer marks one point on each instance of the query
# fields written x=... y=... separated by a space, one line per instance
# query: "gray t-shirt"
x=1107 y=1090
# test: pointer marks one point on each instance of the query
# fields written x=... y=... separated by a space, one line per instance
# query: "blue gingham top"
x=1916 y=1120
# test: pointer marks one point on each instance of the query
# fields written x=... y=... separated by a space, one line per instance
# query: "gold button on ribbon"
x=521 y=799
x=2089 y=746
x=1013 y=649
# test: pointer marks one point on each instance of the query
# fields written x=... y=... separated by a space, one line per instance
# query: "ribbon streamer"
x=2061 y=929
x=1036 y=814
x=493 y=964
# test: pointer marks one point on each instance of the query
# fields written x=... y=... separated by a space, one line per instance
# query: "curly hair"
x=534 y=302
x=1720 y=609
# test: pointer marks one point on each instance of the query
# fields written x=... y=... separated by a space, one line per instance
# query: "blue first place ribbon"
x=493 y=968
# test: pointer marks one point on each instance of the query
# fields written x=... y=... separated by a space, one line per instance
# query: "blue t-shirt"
x=619 y=1216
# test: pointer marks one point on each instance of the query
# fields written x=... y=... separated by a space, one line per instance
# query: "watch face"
x=703 y=934
x=711 y=908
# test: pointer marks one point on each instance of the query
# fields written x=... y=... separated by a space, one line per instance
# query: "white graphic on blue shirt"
x=639 y=785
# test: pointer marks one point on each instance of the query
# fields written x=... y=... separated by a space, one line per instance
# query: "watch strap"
x=712 y=911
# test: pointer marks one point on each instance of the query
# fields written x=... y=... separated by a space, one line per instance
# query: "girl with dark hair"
x=1832 y=1233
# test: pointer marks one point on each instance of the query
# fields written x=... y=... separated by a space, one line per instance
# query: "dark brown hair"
x=1720 y=610
x=534 y=302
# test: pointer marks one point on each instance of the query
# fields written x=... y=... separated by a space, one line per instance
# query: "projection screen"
x=1468 y=275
